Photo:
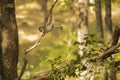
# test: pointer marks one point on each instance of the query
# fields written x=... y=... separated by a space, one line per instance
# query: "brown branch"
x=36 y=44
x=25 y=59
x=109 y=52
x=116 y=35
x=113 y=44
x=23 y=68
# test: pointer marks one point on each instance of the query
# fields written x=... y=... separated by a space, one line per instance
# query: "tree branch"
x=49 y=13
x=109 y=52
x=37 y=42
x=113 y=44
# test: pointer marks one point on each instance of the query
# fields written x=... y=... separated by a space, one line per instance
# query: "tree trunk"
x=83 y=20
x=82 y=28
x=108 y=19
x=109 y=32
x=44 y=6
x=1 y=56
x=100 y=34
x=99 y=19
x=11 y=49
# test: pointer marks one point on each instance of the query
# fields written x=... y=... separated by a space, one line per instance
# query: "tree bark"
x=99 y=19
x=1 y=56
x=11 y=47
x=109 y=32
x=82 y=27
x=83 y=20
x=113 y=44
x=112 y=50
x=108 y=19
x=100 y=34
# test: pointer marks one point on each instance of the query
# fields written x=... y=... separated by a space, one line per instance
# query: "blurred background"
x=30 y=15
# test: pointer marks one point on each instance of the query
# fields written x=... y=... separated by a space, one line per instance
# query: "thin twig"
x=25 y=59
x=37 y=42
x=35 y=45
x=23 y=68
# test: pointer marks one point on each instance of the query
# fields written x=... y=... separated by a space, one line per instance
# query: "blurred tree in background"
x=44 y=6
x=57 y=56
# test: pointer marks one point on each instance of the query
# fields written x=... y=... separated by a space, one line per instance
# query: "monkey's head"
x=41 y=28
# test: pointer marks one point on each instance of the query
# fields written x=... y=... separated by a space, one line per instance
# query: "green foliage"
x=59 y=44
x=65 y=4
x=72 y=66
x=62 y=68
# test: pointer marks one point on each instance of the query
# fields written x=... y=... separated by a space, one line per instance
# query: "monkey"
x=48 y=23
x=46 y=29
x=48 y=26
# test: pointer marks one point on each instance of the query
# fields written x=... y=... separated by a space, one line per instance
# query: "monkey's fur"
x=48 y=24
x=46 y=29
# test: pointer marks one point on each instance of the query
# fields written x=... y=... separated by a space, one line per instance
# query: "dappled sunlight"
x=115 y=15
x=29 y=18
x=26 y=23
x=30 y=22
x=116 y=11
x=20 y=16
x=32 y=5
x=25 y=37
x=29 y=13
